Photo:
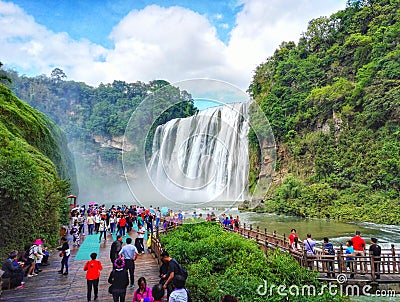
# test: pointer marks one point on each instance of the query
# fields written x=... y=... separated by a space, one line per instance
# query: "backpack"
x=182 y=270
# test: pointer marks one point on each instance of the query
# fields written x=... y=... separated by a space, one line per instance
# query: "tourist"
x=139 y=240
x=174 y=269
x=46 y=254
x=28 y=266
x=149 y=222
x=112 y=222
x=116 y=247
x=158 y=293
x=76 y=237
x=309 y=245
x=294 y=240
x=119 y=280
x=103 y=229
x=13 y=270
x=93 y=268
x=158 y=217
x=350 y=257
x=81 y=223
x=143 y=293
x=122 y=225
x=33 y=257
x=375 y=252
x=359 y=250
x=129 y=253
x=236 y=223
x=97 y=219
x=180 y=293
x=329 y=253
x=64 y=253
x=90 y=223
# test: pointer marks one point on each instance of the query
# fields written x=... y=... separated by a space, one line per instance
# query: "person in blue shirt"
x=329 y=253
x=129 y=252
x=350 y=257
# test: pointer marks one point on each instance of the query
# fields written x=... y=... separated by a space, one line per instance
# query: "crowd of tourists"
x=356 y=247
x=121 y=221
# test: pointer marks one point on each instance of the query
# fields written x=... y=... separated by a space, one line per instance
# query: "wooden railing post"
x=372 y=260
x=393 y=258
x=340 y=261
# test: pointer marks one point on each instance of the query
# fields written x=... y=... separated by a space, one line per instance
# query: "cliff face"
x=36 y=173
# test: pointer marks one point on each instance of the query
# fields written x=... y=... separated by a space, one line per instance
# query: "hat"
x=38 y=241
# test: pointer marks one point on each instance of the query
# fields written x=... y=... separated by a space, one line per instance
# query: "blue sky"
x=101 y=16
x=142 y=40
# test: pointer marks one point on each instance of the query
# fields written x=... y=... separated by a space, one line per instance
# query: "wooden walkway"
x=388 y=266
x=51 y=286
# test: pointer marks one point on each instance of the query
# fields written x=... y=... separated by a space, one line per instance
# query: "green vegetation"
x=220 y=263
x=36 y=172
x=95 y=119
x=333 y=102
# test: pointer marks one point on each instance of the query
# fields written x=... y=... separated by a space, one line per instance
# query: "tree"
x=58 y=75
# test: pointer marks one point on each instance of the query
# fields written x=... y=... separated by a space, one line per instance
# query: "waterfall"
x=203 y=157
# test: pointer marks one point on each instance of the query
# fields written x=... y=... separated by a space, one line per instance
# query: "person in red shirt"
x=122 y=225
x=293 y=240
x=359 y=250
x=93 y=268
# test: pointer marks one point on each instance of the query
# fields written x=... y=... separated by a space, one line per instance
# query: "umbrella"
x=92 y=203
x=75 y=209
x=164 y=211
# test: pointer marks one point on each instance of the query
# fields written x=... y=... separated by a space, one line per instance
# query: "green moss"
x=34 y=174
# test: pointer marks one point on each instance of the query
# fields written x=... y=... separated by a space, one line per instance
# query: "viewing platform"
x=51 y=286
x=333 y=268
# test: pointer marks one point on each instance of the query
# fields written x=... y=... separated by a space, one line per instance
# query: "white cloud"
x=160 y=43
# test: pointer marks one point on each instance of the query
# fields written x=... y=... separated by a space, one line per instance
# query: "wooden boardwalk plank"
x=51 y=286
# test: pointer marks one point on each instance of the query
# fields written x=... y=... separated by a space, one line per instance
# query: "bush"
x=220 y=263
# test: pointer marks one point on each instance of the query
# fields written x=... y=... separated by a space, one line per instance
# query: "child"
x=350 y=257
x=76 y=238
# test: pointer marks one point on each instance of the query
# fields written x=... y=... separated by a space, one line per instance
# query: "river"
x=337 y=232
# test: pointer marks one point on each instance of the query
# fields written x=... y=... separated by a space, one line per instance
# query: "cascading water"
x=203 y=157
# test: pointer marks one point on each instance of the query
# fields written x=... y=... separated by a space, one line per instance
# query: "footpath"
x=51 y=286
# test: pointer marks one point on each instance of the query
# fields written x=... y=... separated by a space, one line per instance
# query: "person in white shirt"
x=180 y=293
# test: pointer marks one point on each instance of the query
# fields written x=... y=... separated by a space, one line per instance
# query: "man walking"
x=129 y=253
x=116 y=247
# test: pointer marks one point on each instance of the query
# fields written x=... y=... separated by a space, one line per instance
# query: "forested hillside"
x=333 y=101
x=94 y=120
x=36 y=173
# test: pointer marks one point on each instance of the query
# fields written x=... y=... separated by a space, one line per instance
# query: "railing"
x=387 y=264
x=156 y=246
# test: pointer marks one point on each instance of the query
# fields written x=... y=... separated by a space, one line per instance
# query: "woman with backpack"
x=119 y=280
